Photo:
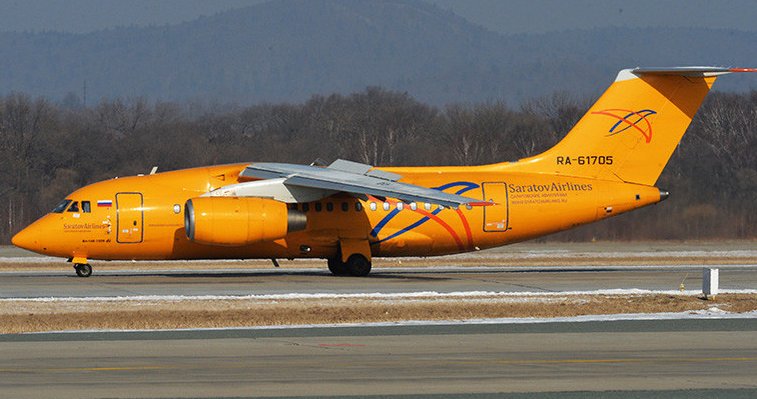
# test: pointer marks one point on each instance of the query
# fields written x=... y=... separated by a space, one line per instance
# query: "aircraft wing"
x=304 y=183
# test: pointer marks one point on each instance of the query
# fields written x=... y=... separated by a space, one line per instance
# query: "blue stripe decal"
x=468 y=186
x=380 y=225
x=412 y=226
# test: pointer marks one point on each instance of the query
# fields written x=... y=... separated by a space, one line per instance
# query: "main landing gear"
x=357 y=253
x=83 y=269
x=357 y=265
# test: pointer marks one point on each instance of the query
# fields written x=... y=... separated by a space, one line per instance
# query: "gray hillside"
x=288 y=50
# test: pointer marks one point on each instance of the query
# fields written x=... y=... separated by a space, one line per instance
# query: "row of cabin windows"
x=345 y=206
x=73 y=206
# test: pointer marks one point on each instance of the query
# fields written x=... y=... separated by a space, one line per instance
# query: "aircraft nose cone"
x=24 y=239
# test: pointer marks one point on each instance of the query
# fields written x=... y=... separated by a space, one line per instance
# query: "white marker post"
x=710 y=283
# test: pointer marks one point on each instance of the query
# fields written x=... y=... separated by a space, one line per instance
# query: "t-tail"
x=631 y=131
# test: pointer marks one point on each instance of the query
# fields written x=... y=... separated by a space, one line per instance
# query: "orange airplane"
x=349 y=212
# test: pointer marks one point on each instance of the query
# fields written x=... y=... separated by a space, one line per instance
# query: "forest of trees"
x=48 y=149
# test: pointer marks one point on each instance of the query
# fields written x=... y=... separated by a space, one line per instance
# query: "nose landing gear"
x=83 y=269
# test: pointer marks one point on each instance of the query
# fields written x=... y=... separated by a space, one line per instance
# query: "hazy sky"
x=506 y=16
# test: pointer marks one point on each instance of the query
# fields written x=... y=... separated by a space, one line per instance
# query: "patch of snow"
x=375 y=295
x=608 y=254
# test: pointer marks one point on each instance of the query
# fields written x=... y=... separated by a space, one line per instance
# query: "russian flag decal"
x=104 y=203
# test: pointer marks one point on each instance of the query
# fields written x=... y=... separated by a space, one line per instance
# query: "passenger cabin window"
x=413 y=206
x=386 y=206
x=400 y=205
x=306 y=207
x=427 y=206
x=345 y=207
x=329 y=206
x=372 y=205
x=61 y=206
x=318 y=206
x=74 y=207
x=86 y=207
x=358 y=207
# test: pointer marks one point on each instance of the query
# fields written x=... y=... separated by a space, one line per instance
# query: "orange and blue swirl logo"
x=630 y=120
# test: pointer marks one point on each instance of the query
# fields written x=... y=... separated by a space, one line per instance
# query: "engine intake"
x=235 y=221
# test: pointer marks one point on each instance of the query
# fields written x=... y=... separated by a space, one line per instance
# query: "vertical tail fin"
x=631 y=131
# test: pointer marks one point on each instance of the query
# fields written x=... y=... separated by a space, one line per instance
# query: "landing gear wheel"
x=358 y=265
x=83 y=269
x=337 y=267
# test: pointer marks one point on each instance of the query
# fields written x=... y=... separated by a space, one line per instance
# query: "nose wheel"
x=83 y=269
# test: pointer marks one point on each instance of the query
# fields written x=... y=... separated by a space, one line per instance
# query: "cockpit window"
x=61 y=206
x=74 y=207
x=85 y=207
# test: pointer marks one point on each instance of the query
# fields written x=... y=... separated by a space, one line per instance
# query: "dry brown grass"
x=28 y=316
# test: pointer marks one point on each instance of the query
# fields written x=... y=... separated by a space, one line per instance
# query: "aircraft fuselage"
x=142 y=217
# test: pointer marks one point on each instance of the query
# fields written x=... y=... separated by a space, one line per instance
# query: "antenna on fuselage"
x=154 y=170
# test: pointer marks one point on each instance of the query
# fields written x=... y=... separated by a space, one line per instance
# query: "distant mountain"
x=287 y=50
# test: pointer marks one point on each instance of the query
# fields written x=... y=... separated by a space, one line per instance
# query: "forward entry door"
x=496 y=215
x=130 y=218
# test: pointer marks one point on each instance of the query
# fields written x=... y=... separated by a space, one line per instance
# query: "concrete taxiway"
x=106 y=283
x=663 y=358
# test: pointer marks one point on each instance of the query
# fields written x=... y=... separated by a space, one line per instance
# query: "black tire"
x=358 y=265
x=337 y=267
x=83 y=269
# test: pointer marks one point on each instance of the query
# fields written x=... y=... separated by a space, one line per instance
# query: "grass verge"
x=17 y=316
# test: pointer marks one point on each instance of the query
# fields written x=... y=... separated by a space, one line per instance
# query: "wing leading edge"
x=302 y=183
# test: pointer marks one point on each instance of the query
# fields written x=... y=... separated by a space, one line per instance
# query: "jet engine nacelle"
x=238 y=221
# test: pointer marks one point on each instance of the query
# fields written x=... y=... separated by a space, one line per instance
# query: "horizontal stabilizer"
x=690 y=71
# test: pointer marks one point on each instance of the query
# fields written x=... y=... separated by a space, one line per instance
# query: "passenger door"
x=129 y=218
x=495 y=216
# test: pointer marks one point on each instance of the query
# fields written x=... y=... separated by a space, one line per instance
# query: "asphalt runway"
x=388 y=280
x=673 y=358
x=623 y=359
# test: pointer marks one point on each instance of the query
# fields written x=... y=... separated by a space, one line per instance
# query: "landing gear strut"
x=83 y=269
